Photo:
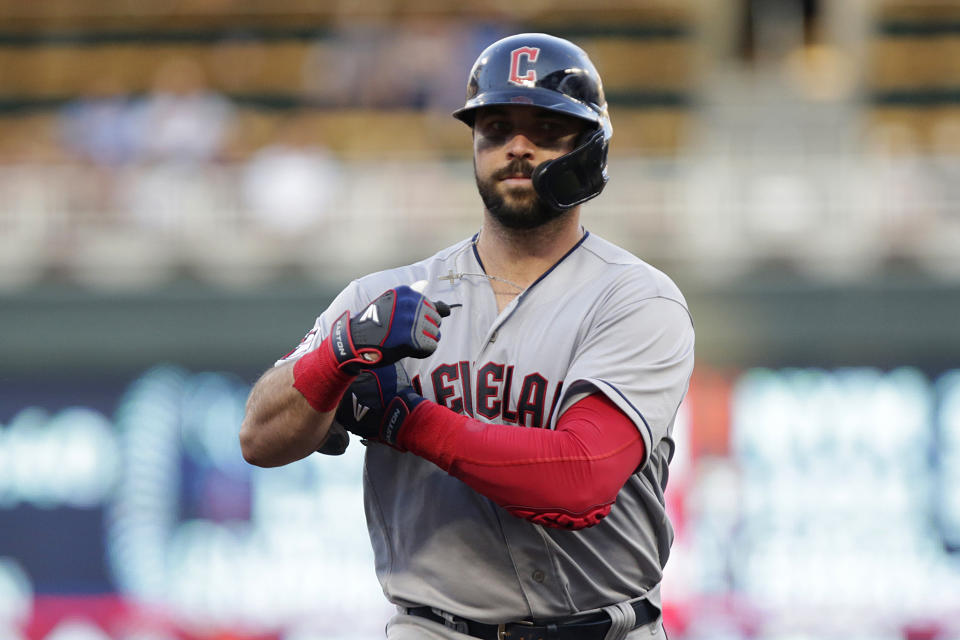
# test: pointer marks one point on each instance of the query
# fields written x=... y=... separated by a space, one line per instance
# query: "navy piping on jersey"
x=524 y=293
x=473 y=245
x=644 y=420
x=476 y=254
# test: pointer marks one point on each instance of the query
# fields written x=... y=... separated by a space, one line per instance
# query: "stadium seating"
x=52 y=54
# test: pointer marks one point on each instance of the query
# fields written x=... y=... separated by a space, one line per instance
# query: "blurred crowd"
x=128 y=142
x=188 y=171
x=140 y=149
x=128 y=185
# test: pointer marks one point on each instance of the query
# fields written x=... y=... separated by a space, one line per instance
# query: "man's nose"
x=520 y=146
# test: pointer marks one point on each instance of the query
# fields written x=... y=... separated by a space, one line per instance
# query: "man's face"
x=508 y=144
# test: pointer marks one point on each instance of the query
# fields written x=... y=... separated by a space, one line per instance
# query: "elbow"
x=261 y=446
x=250 y=446
x=576 y=507
x=561 y=519
x=572 y=509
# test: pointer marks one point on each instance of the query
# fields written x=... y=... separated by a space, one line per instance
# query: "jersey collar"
x=476 y=254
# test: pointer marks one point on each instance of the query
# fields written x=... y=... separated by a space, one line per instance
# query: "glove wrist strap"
x=319 y=379
x=398 y=412
x=348 y=358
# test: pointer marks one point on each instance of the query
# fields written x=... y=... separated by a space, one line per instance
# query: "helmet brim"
x=534 y=97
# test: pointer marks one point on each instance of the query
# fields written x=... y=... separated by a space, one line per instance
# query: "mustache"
x=518 y=167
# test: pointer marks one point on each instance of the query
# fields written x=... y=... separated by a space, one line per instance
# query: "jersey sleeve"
x=351 y=298
x=639 y=354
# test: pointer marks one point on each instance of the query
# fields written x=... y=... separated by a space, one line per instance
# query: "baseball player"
x=516 y=456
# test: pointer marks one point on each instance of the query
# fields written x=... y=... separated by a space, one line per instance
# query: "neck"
x=523 y=255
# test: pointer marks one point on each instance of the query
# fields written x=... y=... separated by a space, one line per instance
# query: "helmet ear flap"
x=573 y=178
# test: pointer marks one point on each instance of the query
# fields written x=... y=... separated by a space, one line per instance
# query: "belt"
x=592 y=627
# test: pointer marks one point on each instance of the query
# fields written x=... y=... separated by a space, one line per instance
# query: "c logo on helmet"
x=516 y=56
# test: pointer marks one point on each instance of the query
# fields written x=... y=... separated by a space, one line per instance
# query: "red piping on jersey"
x=566 y=478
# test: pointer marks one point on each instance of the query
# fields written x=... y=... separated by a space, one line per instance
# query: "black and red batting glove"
x=399 y=324
x=377 y=403
x=336 y=442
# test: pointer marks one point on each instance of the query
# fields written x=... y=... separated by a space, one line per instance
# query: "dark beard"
x=530 y=214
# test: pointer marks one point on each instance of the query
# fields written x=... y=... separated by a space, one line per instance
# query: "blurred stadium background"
x=185 y=185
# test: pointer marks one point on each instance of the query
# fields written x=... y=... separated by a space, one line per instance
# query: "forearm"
x=280 y=426
x=564 y=478
x=290 y=409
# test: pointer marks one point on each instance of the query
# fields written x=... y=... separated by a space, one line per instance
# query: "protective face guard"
x=571 y=179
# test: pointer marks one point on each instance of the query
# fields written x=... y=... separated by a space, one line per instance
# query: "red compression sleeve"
x=566 y=478
x=317 y=377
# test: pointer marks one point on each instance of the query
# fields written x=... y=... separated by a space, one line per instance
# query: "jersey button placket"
x=538 y=576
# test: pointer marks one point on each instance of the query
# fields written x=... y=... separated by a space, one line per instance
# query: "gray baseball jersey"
x=600 y=321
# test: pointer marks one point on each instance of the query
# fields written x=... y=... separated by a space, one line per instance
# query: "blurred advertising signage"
x=150 y=522
x=837 y=510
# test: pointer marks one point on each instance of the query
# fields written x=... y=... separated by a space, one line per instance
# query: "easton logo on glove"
x=397 y=411
x=371 y=315
x=340 y=341
x=399 y=324
x=379 y=401
x=358 y=409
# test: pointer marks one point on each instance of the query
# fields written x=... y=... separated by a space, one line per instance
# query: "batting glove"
x=377 y=403
x=337 y=441
x=399 y=324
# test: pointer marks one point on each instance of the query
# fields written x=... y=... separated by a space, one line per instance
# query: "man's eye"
x=554 y=129
x=493 y=128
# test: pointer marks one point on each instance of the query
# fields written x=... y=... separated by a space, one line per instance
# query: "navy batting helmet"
x=552 y=73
